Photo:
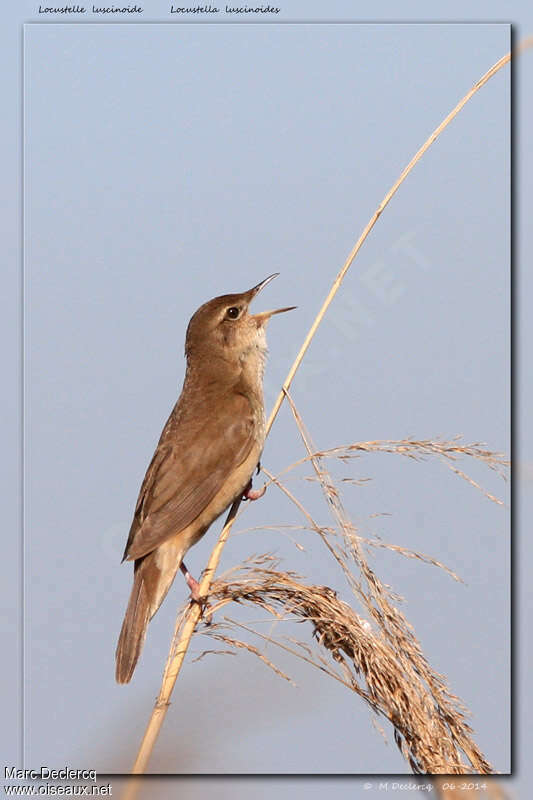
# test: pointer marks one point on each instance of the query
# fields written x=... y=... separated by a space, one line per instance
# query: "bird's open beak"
x=264 y=316
x=257 y=289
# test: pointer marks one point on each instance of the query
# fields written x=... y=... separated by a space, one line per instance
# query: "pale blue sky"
x=167 y=164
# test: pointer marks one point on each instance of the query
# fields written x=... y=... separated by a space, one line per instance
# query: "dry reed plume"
x=376 y=653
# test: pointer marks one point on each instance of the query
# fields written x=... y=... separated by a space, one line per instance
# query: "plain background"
x=146 y=210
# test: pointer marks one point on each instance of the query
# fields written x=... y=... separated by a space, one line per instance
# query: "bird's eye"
x=232 y=312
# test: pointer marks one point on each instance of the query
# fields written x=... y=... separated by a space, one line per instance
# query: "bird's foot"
x=196 y=597
x=253 y=494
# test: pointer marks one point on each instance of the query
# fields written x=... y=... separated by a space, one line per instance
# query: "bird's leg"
x=194 y=586
x=192 y=583
x=253 y=494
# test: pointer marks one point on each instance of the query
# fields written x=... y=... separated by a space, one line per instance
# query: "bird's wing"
x=184 y=475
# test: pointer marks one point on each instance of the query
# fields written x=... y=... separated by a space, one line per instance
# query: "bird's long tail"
x=133 y=630
x=150 y=585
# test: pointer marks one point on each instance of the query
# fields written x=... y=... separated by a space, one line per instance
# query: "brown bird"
x=204 y=460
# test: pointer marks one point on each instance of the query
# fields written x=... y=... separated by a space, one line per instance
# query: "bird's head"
x=224 y=328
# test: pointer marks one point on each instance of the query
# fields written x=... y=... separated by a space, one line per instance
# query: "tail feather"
x=133 y=630
x=153 y=577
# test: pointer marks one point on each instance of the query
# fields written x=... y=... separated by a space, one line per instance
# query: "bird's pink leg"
x=192 y=583
x=253 y=494
x=194 y=586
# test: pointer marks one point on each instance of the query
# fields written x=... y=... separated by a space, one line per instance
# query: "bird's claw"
x=205 y=609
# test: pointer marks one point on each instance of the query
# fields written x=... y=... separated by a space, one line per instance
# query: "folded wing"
x=186 y=473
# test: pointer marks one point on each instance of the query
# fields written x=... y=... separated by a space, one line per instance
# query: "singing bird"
x=205 y=458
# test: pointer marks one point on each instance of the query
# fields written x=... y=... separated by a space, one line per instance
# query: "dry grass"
x=446 y=451
x=394 y=679
x=374 y=653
